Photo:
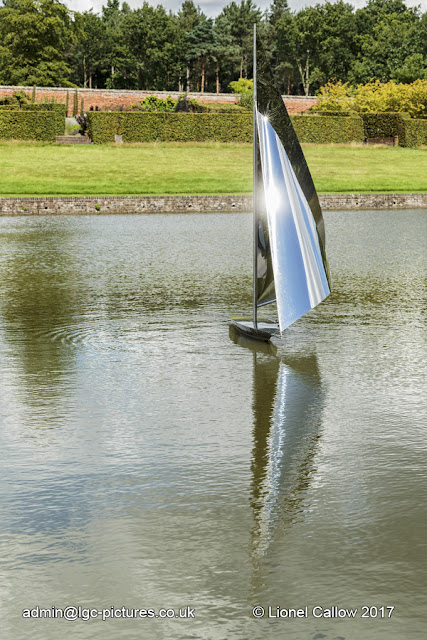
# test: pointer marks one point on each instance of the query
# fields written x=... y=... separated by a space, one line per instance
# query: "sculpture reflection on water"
x=287 y=408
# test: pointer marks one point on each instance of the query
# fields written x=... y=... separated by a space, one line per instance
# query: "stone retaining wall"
x=107 y=99
x=174 y=204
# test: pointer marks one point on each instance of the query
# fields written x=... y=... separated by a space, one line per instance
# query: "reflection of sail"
x=287 y=407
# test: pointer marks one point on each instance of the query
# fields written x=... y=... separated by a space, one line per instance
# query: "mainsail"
x=291 y=265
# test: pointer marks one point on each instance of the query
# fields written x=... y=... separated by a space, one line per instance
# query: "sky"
x=212 y=8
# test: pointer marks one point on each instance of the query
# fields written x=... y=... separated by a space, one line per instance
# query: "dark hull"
x=264 y=330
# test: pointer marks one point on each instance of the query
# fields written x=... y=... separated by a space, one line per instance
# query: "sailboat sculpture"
x=290 y=265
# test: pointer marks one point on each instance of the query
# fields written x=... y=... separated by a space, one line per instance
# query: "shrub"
x=102 y=126
x=241 y=86
x=75 y=103
x=182 y=127
x=58 y=109
x=383 y=125
x=413 y=133
x=82 y=121
x=153 y=103
x=179 y=127
x=326 y=129
x=18 y=98
x=225 y=107
x=375 y=96
x=246 y=90
x=27 y=125
x=335 y=97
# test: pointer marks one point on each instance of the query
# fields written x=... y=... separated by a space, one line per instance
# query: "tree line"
x=43 y=43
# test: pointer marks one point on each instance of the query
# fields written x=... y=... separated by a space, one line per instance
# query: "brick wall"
x=105 y=99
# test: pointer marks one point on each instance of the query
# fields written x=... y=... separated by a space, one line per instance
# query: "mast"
x=255 y=203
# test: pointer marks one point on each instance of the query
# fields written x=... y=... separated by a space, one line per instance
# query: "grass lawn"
x=31 y=169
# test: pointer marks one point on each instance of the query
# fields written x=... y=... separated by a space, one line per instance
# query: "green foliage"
x=153 y=103
x=222 y=107
x=199 y=127
x=59 y=113
x=384 y=125
x=33 y=95
x=413 y=133
x=67 y=101
x=246 y=89
x=326 y=130
x=102 y=126
x=242 y=86
x=24 y=125
x=34 y=35
x=179 y=127
x=375 y=96
x=75 y=103
x=335 y=97
x=8 y=107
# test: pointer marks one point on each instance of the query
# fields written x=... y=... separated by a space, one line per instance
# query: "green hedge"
x=177 y=127
x=413 y=133
x=9 y=107
x=384 y=125
x=57 y=108
x=21 y=125
x=222 y=127
x=102 y=126
x=328 y=129
x=219 y=107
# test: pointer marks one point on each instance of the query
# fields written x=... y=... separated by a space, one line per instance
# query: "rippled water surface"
x=150 y=460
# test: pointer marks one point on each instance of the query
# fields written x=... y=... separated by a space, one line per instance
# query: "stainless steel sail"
x=291 y=264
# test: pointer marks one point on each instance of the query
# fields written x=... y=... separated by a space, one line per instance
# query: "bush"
x=182 y=127
x=225 y=107
x=18 y=98
x=414 y=133
x=24 y=125
x=246 y=90
x=58 y=109
x=102 y=126
x=153 y=103
x=9 y=107
x=383 y=125
x=179 y=127
x=242 y=86
x=326 y=129
x=374 y=97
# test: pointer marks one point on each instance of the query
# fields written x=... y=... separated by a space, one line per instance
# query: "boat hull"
x=264 y=330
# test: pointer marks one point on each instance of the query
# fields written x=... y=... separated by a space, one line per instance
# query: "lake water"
x=149 y=460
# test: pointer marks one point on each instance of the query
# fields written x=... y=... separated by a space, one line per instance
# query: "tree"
x=386 y=37
x=224 y=50
x=242 y=18
x=150 y=34
x=278 y=27
x=189 y=16
x=200 y=43
x=303 y=41
x=34 y=36
x=86 y=56
x=117 y=60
